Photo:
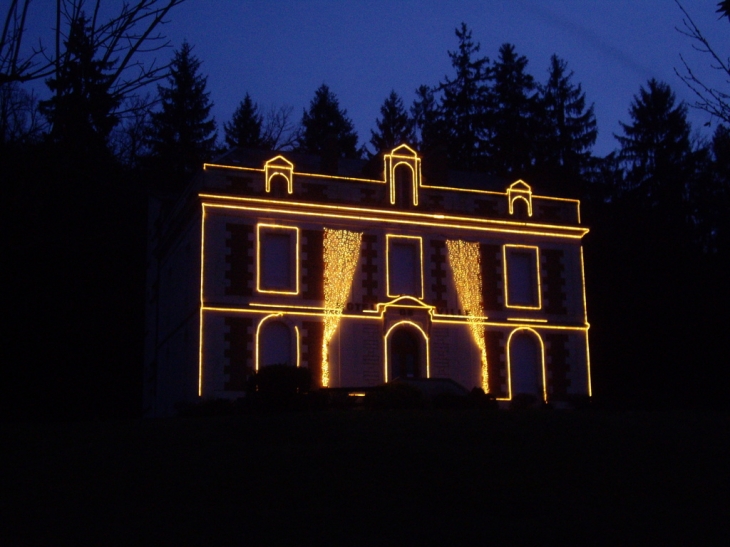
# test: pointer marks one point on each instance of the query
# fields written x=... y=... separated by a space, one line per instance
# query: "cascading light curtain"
x=465 y=262
x=341 y=255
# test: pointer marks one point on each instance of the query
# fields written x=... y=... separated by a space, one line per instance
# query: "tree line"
x=84 y=162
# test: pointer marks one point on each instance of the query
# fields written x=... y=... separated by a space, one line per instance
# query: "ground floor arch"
x=526 y=358
x=406 y=352
x=275 y=343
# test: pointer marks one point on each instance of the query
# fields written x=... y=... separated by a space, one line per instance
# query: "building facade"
x=270 y=260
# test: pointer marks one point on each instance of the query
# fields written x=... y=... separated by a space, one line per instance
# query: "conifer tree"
x=431 y=133
x=463 y=102
x=568 y=130
x=710 y=197
x=719 y=224
x=244 y=129
x=656 y=148
x=512 y=115
x=395 y=126
x=326 y=128
x=427 y=120
x=182 y=134
x=81 y=112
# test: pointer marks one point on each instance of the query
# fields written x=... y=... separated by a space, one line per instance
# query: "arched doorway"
x=405 y=353
x=275 y=344
x=526 y=366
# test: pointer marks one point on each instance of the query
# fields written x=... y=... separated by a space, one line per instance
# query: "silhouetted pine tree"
x=326 y=129
x=395 y=126
x=463 y=103
x=512 y=116
x=431 y=133
x=182 y=135
x=81 y=112
x=427 y=120
x=657 y=152
x=710 y=196
x=244 y=129
x=567 y=132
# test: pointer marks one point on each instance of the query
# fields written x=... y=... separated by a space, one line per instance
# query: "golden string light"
x=465 y=261
x=341 y=255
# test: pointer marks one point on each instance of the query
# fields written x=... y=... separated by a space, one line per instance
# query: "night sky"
x=281 y=51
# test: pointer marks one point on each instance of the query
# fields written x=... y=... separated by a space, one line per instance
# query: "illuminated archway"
x=520 y=207
x=520 y=192
x=279 y=166
x=403 y=155
x=278 y=185
x=404 y=185
x=526 y=363
x=406 y=348
x=275 y=342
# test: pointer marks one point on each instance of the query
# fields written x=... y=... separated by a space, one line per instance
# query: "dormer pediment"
x=520 y=185
x=403 y=176
x=279 y=161
x=403 y=151
x=279 y=166
x=519 y=190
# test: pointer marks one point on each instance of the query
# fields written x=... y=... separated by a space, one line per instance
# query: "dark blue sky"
x=281 y=51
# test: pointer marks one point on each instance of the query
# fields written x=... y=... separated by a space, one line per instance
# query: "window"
x=405 y=269
x=522 y=277
x=277 y=262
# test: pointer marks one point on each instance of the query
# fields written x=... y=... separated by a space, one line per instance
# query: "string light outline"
x=427 y=186
x=462 y=320
x=538 y=281
x=276 y=227
x=542 y=360
x=426 y=340
x=272 y=169
x=439 y=217
x=419 y=219
x=388 y=238
x=257 y=345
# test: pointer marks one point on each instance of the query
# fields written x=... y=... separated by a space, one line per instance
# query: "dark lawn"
x=371 y=477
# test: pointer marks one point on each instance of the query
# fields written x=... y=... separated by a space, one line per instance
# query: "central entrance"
x=405 y=353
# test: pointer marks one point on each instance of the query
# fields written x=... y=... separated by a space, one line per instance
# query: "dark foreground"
x=371 y=477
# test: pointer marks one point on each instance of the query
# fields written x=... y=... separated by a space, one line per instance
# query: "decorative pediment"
x=403 y=175
x=522 y=191
x=279 y=166
x=404 y=151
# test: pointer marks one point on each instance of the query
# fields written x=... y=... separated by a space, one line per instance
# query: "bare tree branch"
x=279 y=130
x=12 y=67
x=714 y=101
x=118 y=42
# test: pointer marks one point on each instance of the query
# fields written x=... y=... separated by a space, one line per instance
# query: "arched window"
x=526 y=363
x=275 y=344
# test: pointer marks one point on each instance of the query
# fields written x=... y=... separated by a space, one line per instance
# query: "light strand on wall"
x=465 y=261
x=341 y=255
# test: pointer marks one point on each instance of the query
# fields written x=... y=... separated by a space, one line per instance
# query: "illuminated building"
x=363 y=279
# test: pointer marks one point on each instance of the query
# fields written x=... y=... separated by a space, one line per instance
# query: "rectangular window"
x=522 y=277
x=277 y=260
x=405 y=266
